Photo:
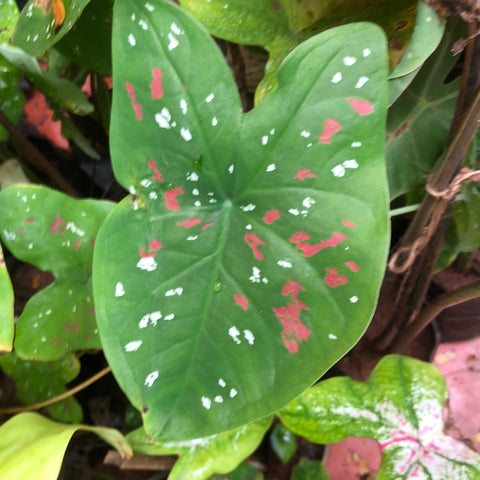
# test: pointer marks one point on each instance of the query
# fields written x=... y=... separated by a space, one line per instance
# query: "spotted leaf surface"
x=248 y=258
x=400 y=406
x=39 y=381
x=43 y=23
x=55 y=233
x=6 y=308
x=11 y=99
x=202 y=457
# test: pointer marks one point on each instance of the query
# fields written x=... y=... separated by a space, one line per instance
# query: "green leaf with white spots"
x=401 y=406
x=7 y=327
x=55 y=233
x=249 y=256
x=419 y=121
x=37 y=29
x=39 y=381
x=309 y=470
x=202 y=457
x=31 y=446
x=11 y=99
x=61 y=93
x=280 y=25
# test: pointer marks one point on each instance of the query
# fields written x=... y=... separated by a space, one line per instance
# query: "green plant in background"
x=248 y=257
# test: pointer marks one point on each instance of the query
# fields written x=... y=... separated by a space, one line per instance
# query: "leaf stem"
x=445 y=300
x=58 y=398
x=33 y=157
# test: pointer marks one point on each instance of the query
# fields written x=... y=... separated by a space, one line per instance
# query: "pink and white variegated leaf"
x=248 y=257
x=401 y=406
x=56 y=233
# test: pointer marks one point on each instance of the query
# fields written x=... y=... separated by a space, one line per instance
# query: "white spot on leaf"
x=248 y=208
x=151 y=377
x=354 y=299
x=209 y=97
x=206 y=403
x=361 y=82
x=337 y=77
x=249 y=337
x=148 y=263
x=131 y=40
x=284 y=263
x=163 y=118
x=331 y=336
x=133 y=346
x=271 y=168
x=172 y=41
x=349 y=61
x=186 y=134
x=366 y=52
x=234 y=333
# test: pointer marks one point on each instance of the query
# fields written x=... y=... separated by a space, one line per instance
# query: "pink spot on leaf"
x=329 y=128
x=305 y=173
x=59 y=226
x=271 y=216
x=171 y=201
x=349 y=224
x=241 y=301
x=156 y=172
x=294 y=330
x=21 y=231
x=189 y=223
x=30 y=221
x=77 y=244
x=332 y=279
x=310 y=250
x=253 y=241
x=352 y=266
x=156 y=86
x=155 y=245
x=206 y=225
x=136 y=106
x=299 y=237
x=362 y=107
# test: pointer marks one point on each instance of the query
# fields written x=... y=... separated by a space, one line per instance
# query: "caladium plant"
x=400 y=406
x=56 y=233
x=248 y=257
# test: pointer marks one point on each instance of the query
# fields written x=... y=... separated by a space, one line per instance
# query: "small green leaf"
x=249 y=256
x=55 y=233
x=36 y=29
x=32 y=446
x=7 y=326
x=428 y=33
x=11 y=99
x=62 y=94
x=309 y=470
x=400 y=406
x=283 y=442
x=40 y=381
x=202 y=457
x=88 y=43
x=419 y=121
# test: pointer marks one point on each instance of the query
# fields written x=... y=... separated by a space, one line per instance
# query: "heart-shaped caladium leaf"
x=249 y=256
x=55 y=233
x=400 y=406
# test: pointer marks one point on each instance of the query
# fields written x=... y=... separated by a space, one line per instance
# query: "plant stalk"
x=445 y=300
